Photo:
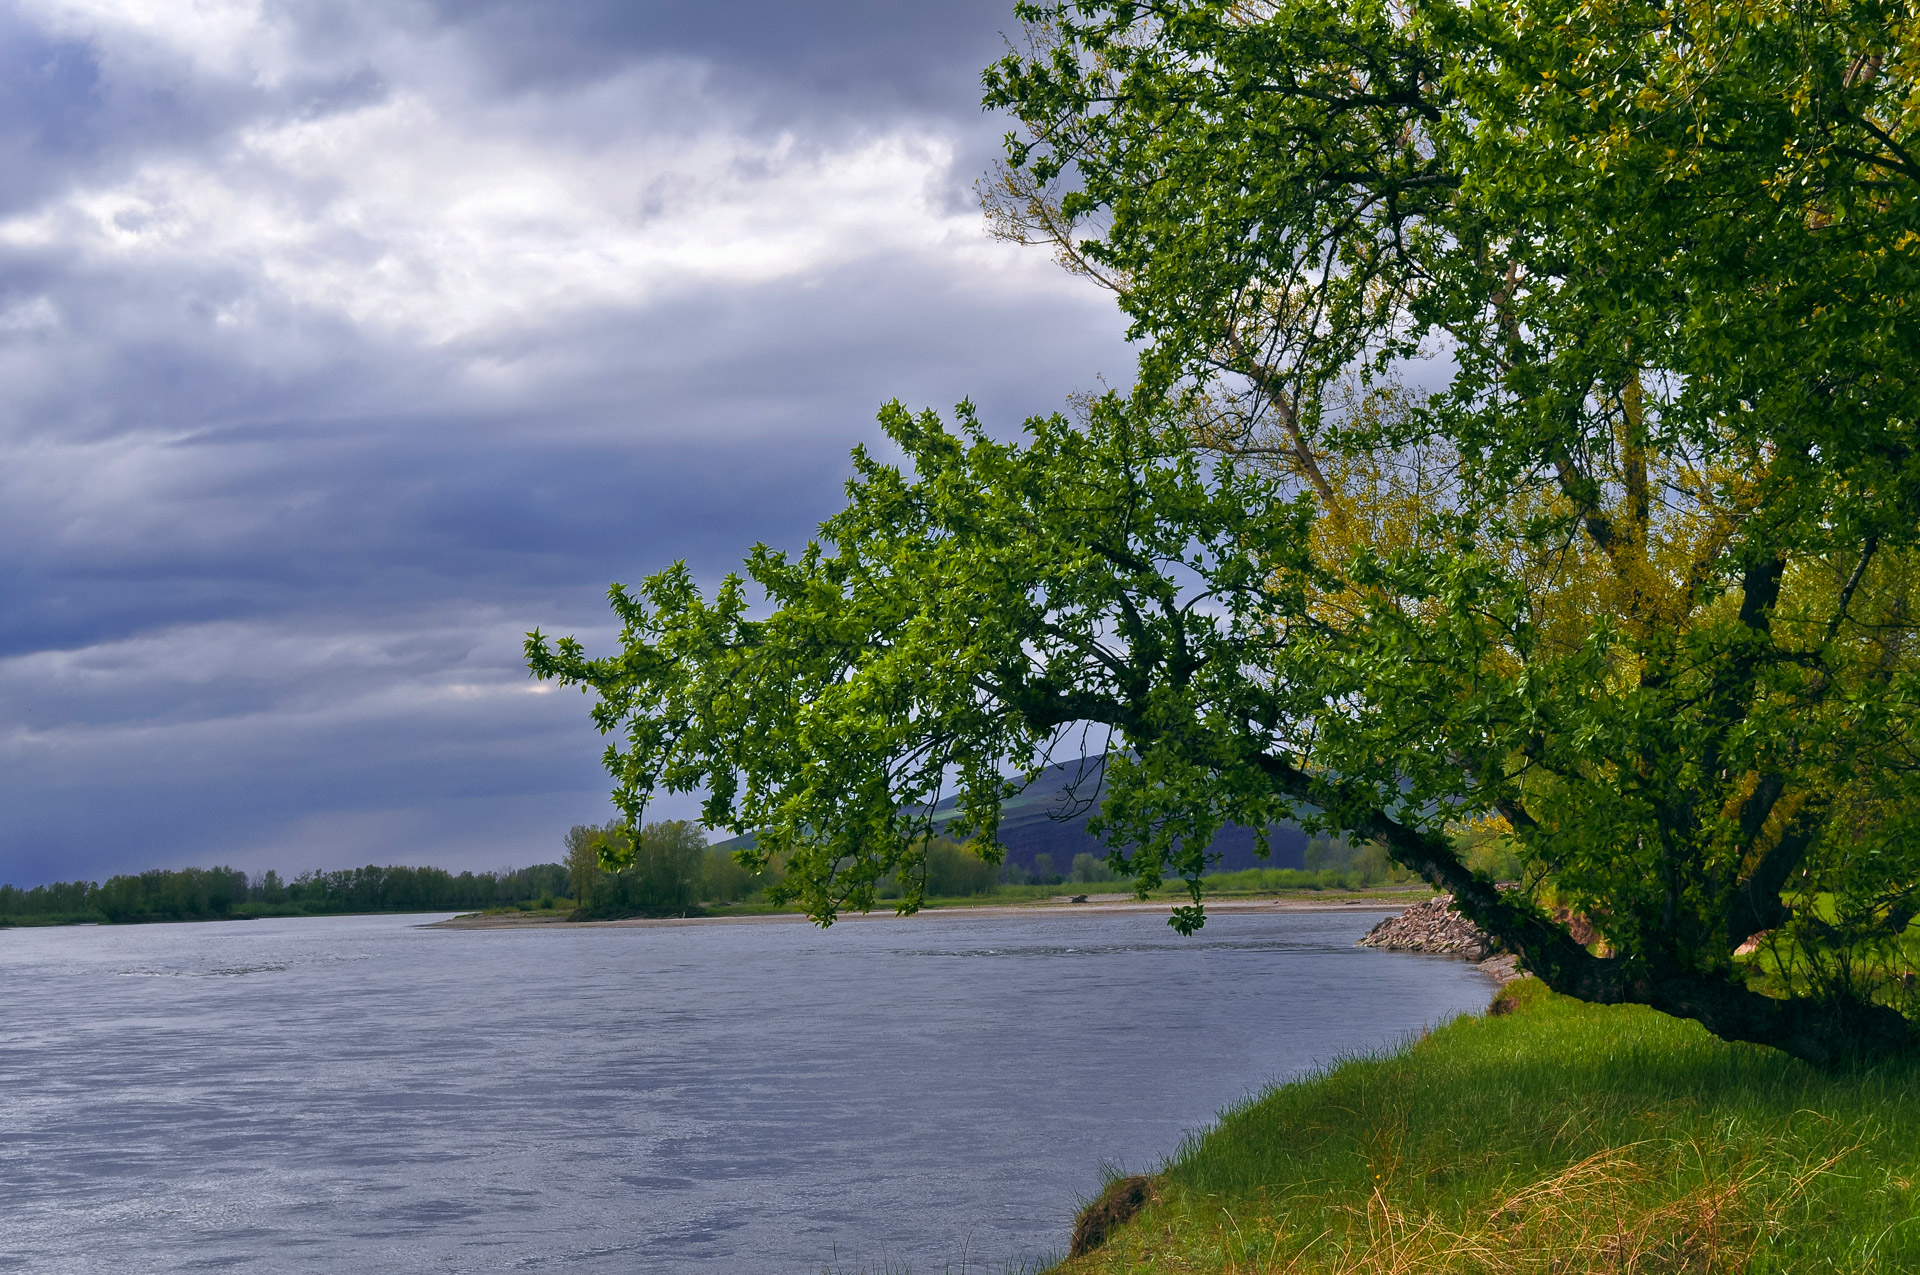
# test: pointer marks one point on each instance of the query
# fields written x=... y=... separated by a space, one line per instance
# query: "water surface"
x=360 y=1094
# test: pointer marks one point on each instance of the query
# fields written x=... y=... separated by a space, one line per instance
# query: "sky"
x=341 y=344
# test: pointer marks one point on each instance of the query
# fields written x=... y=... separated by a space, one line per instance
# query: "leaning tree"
x=1525 y=435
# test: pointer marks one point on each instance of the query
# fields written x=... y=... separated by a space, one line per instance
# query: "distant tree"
x=75 y=899
x=950 y=871
x=724 y=879
x=583 y=860
x=658 y=872
x=1089 y=870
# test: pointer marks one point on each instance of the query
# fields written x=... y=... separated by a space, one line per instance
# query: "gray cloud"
x=339 y=350
x=824 y=60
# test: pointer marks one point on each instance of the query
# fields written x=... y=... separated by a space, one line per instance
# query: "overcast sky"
x=342 y=343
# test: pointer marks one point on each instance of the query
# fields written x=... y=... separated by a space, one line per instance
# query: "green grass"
x=1236 y=886
x=1290 y=880
x=1562 y=1138
x=252 y=911
x=52 y=918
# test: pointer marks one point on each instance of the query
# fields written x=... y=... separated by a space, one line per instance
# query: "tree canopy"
x=1525 y=434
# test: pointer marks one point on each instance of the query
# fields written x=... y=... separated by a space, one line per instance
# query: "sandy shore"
x=1044 y=907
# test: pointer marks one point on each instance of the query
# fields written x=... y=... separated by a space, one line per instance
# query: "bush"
x=953 y=871
x=1089 y=869
x=666 y=868
x=724 y=880
x=1350 y=865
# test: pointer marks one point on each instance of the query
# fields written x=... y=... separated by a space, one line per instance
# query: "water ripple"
x=358 y=1093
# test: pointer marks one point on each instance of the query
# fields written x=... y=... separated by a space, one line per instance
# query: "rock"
x=1432 y=927
x=1502 y=969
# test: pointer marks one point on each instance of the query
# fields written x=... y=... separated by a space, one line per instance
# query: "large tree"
x=1630 y=573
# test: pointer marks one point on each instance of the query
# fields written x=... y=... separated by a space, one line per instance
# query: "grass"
x=251 y=911
x=1254 y=883
x=52 y=918
x=1281 y=883
x=1257 y=883
x=1238 y=886
x=1292 y=880
x=539 y=907
x=1559 y=1138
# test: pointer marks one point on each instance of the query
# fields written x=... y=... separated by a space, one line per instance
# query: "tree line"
x=670 y=870
x=667 y=870
x=198 y=894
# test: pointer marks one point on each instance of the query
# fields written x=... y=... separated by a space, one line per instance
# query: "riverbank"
x=1547 y=1135
x=1382 y=900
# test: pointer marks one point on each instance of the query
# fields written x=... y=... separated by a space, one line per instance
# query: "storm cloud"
x=342 y=344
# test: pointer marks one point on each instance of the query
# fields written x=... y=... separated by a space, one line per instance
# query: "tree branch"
x=1867 y=551
x=1760 y=592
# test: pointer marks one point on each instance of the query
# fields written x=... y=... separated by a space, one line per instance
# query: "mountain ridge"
x=1049 y=816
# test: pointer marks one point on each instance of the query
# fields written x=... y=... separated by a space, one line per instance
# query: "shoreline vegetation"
x=1387 y=898
x=228 y=894
x=1546 y=1135
x=665 y=870
x=542 y=895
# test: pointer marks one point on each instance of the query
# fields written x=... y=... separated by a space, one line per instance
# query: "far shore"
x=1049 y=907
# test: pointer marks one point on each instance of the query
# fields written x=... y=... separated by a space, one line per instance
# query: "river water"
x=360 y=1094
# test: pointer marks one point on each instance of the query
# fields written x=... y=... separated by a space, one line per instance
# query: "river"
x=361 y=1094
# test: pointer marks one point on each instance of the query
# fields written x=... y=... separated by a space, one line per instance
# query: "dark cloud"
x=288 y=464
x=686 y=429
x=252 y=645
x=845 y=58
x=817 y=68
x=75 y=101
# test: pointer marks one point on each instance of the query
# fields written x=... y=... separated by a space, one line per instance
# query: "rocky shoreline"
x=1435 y=928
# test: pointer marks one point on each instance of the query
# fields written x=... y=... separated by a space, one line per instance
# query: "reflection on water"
x=360 y=1094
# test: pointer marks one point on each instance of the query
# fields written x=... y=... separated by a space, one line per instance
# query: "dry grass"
x=1560 y=1139
x=1602 y=1214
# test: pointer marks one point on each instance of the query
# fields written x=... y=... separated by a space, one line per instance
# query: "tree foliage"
x=1635 y=579
x=194 y=894
x=657 y=872
x=667 y=870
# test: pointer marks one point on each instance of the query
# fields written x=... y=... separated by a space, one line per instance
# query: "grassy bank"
x=1391 y=896
x=1559 y=1137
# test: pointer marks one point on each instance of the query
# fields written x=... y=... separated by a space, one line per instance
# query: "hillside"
x=1050 y=817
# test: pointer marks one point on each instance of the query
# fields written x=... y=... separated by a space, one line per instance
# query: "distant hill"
x=1050 y=817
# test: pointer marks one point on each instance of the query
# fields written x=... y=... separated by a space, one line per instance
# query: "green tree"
x=583 y=860
x=658 y=872
x=1088 y=870
x=953 y=873
x=1636 y=582
x=724 y=879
